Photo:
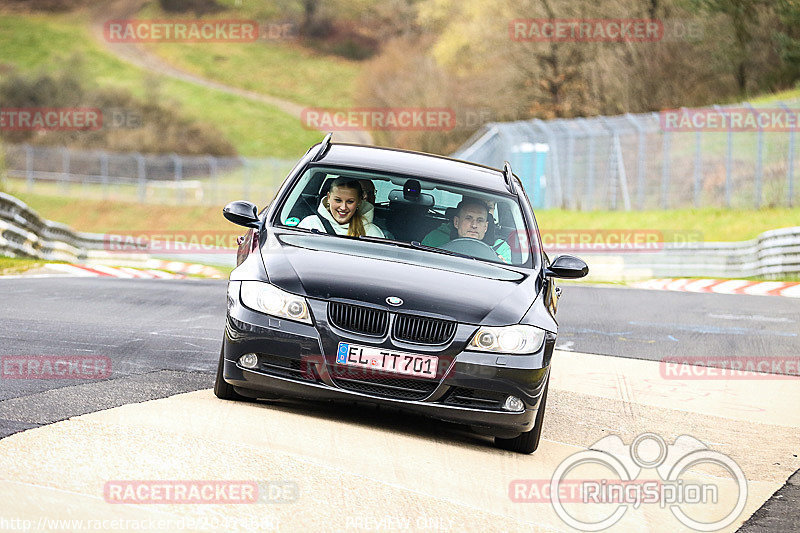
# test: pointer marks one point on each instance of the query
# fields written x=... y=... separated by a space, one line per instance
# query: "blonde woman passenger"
x=340 y=208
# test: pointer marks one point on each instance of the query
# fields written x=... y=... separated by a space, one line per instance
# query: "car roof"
x=417 y=164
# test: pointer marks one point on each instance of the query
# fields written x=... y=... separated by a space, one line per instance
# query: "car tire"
x=528 y=441
x=222 y=389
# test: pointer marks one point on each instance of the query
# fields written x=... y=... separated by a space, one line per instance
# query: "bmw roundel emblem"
x=394 y=300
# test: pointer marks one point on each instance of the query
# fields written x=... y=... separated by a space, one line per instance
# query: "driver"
x=471 y=221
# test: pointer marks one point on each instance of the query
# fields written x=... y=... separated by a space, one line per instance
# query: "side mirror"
x=567 y=267
x=242 y=213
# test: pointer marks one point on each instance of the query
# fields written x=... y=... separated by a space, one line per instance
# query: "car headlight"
x=270 y=300
x=517 y=339
x=233 y=294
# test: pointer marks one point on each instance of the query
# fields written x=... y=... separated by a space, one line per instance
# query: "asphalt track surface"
x=163 y=338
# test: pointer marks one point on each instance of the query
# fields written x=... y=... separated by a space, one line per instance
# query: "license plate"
x=423 y=366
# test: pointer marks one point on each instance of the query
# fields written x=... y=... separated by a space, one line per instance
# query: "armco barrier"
x=24 y=233
x=773 y=254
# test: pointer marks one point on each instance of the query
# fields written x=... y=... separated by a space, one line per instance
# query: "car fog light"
x=513 y=404
x=250 y=360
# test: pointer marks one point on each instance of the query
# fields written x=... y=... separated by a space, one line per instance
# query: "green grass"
x=278 y=68
x=783 y=96
x=107 y=216
x=17 y=265
x=710 y=223
x=36 y=42
x=257 y=183
x=224 y=270
x=285 y=71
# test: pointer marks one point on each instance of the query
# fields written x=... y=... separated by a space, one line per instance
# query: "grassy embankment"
x=280 y=67
x=37 y=41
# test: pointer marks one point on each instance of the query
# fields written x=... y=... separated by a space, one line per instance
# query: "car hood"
x=467 y=291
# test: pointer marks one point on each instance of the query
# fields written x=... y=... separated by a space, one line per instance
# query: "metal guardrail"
x=773 y=254
x=23 y=233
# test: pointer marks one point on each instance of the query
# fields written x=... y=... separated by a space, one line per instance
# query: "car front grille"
x=422 y=330
x=386 y=387
x=358 y=319
x=479 y=399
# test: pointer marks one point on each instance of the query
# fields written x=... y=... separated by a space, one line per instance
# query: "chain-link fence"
x=153 y=179
x=734 y=156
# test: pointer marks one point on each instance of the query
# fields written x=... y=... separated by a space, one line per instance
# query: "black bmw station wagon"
x=396 y=278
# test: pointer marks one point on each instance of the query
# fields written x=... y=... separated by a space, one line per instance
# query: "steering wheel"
x=471 y=247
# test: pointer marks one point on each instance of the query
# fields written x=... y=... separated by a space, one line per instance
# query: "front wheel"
x=528 y=441
x=222 y=389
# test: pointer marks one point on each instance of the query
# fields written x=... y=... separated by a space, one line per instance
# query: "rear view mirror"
x=567 y=267
x=399 y=196
x=242 y=213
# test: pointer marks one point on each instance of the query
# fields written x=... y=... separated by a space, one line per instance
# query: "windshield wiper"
x=416 y=245
x=413 y=245
x=420 y=246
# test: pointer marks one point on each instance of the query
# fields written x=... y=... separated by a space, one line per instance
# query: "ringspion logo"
x=616 y=484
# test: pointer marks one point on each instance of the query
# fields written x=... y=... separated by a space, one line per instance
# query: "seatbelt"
x=496 y=246
x=327 y=225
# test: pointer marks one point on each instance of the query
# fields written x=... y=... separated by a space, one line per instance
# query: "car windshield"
x=434 y=217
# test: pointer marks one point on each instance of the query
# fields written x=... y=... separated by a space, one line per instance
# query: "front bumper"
x=297 y=360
